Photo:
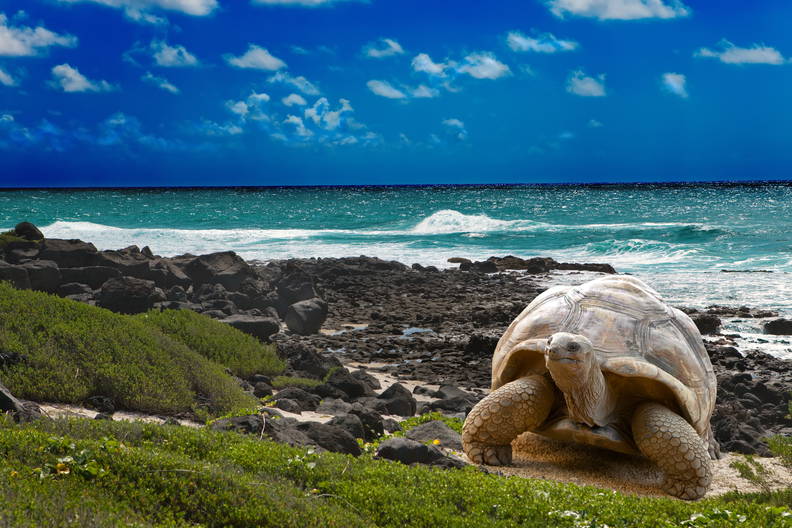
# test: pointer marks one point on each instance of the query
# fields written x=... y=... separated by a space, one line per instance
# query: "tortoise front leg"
x=502 y=416
x=669 y=441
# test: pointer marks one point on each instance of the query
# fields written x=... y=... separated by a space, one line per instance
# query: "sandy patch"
x=63 y=410
x=536 y=457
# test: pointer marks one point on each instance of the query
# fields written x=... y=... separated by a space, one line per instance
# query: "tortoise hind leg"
x=669 y=441
x=502 y=416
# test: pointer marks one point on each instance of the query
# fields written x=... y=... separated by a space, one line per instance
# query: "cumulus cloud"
x=675 y=83
x=253 y=108
x=424 y=63
x=160 y=82
x=298 y=83
x=484 y=65
x=139 y=10
x=382 y=48
x=69 y=79
x=579 y=83
x=455 y=129
x=545 y=43
x=728 y=53
x=619 y=9
x=294 y=100
x=256 y=58
x=21 y=41
x=6 y=79
x=385 y=89
x=172 y=56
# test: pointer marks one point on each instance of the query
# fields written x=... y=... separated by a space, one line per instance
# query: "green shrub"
x=242 y=353
x=74 y=350
x=179 y=476
x=281 y=382
x=9 y=236
x=781 y=446
x=453 y=423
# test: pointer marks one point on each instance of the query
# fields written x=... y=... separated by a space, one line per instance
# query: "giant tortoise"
x=609 y=364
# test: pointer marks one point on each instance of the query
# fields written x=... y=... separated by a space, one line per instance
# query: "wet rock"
x=330 y=437
x=436 y=430
x=306 y=317
x=261 y=327
x=778 y=327
x=128 y=295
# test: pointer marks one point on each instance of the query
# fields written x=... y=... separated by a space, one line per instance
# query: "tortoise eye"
x=573 y=347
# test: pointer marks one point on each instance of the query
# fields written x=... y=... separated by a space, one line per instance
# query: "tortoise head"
x=570 y=358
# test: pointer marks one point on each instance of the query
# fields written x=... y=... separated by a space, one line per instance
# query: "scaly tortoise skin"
x=609 y=364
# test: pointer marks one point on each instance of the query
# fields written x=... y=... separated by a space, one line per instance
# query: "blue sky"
x=282 y=92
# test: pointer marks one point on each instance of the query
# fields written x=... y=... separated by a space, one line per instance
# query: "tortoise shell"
x=655 y=350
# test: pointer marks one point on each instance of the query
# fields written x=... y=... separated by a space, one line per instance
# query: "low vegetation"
x=243 y=354
x=89 y=473
x=72 y=351
x=9 y=236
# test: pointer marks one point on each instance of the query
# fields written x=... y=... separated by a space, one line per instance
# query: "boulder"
x=304 y=358
x=261 y=327
x=306 y=317
x=409 y=452
x=226 y=268
x=93 y=276
x=69 y=253
x=102 y=404
x=480 y=267
x=436 y=430
x=451 y=391
x=459 y=260
x=778 y=327
x=22 y=411
x=177 y=294
x=363 y=376
x=17 y=251
x=127 y=295
x=130 y=261
x=706 y=323
x=278 y=430
x=262 y=389
x=398 y=400
x=164 y=273
x=450 y=405
x=373 y=426
x=15 y=274
x=349 y=385
x=28 y=231
x=294 y=286
x=288 y=405
x=330 y=437
x=306 y=400
x=334 y=407
x=349 y=423
x=44 y=275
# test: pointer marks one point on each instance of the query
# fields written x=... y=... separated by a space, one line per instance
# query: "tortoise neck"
x=588 y=398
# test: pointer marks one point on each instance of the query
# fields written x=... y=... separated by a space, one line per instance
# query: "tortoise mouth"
x=564 y=360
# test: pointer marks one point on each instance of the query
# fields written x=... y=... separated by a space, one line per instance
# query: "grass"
x=74 y=351
x=242 y=353
x=281 y=382
x=10 y=236
x=753 y=471
x=112 y=473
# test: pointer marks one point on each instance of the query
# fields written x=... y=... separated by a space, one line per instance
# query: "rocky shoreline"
x=416 y=323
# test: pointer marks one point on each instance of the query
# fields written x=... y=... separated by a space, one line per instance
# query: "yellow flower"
x=436 y=441
x=62 y=469
x=14 y=473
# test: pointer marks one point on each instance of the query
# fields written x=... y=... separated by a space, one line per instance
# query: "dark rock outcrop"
x=778 y=327
x=28 y=231
x=436 y=430
x=306 y=317
x=409 y=452
x=398 y=400
x=69 y=253
x=261 y=327
x=128 y=295
x=330 y=437
x=44 y=275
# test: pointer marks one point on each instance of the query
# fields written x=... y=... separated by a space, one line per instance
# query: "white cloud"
x=424 y=92
x=256 y=58
x=546 y=43
x=6 y=79
x=300 y=3
x=579 y=83
x=137 y=9
x=424 y=63
x=294 y=99
x=455 y=129
x=619 y=9
x=325 y=118
x=172 y=56
x=299 y=127
x=384 y=47
x=69 y=79
x=299 y=83
x=731 y=54
x=385 y=89
x=27 y=41
x=160 y=82
x=253 y=108
x=675 y=83
x=484 y=65
x=593 y=123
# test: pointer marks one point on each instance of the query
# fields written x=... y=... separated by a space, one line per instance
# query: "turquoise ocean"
x=677 y=237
